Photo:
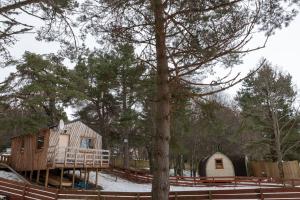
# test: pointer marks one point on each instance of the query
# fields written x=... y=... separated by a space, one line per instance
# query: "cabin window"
x=219 y=163
x=22 y=144
x=40 y=141
x=87 y=143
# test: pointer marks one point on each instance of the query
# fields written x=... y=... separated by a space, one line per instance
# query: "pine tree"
x=267 y=103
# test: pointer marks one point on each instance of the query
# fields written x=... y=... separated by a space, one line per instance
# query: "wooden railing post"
x=94 y=159
x=56 y=194
x=24 y=191
x=210 y=195
x=261 y=194
x=65 y=158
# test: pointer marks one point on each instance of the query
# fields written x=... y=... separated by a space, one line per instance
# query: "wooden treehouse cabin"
x=72 y=146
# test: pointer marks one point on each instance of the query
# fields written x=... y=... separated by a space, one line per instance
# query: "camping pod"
x=217 y=165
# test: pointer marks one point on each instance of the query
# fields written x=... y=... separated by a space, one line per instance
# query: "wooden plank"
x=38 y=176
x=47 y=178
x=61 y=177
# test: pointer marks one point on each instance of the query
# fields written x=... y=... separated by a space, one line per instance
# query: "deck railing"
x=4 y=159
x=71 y=156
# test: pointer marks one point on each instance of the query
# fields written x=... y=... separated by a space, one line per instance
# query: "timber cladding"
x=25 y=153
x=270 y=169
x=34 y=151
x=76 y=130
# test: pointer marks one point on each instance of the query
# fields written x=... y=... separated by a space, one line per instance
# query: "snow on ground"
x=9 y=176
x=185 y=172
x=113 y=184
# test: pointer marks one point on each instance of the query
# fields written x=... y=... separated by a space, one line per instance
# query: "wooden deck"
x=71 y=157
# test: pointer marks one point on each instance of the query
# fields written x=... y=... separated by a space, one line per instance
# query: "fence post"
x=210 y=195
x=138 y=196
x=24 y=191
x=99 y=195
x=261 y=194
x=56 y=194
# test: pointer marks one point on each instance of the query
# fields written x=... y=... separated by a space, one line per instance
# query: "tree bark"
x=125 y=128
x=160 y=184
x=126 y=152
x=277 y=135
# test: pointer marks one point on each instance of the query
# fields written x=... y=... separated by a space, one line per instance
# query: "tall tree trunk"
x=126 y=151
x=160 y=184
x=125 y=128
x=150 y=158
x=278 y=150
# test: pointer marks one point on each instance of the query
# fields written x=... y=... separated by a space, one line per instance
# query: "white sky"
x=282 y=50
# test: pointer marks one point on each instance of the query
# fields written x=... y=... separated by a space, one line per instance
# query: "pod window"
x=219 y=163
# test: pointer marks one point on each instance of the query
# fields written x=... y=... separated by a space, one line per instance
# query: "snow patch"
x=9 y=176
x=112 y=183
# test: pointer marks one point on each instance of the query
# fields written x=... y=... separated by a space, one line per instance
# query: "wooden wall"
x=76 y=130
x=291 y=169
x=30 y=158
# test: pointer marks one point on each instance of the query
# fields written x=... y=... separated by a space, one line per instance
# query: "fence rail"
x=18 y=190
x=144 y=177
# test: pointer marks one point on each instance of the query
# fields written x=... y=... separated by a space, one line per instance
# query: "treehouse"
x=71 y=146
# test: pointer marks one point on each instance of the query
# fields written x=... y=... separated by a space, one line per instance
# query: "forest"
x=156 y=84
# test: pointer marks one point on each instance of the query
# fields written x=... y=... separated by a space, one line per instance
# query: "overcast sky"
x=282 y=50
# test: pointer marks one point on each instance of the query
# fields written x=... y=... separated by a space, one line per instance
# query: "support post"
x=47 y=178
x=96 y=182
x=73 y=177
x=38 y=176
x=88 y=176
x=30 y=176
x=85 y=177
x=61 y=177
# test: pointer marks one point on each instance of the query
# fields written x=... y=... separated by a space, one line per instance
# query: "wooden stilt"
x=73 y=178
x=25 y=174
x=30 y=176
x=38 y=176
x=80 y=173
x=96 y=182
x=47 y=178
x=61 y=177
x=85 y=177
x=88 y=176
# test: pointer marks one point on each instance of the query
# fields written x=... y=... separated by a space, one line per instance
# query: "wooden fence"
x=270 y=169
x=16 y=190
x=144 y=177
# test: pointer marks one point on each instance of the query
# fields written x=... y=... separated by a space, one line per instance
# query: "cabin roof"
x=30 y=134
x=68 y=125
x=76 y=125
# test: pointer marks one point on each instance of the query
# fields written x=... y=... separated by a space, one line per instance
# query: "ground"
x=112 y=183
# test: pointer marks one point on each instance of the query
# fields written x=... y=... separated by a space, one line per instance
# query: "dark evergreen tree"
x=267 y=103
